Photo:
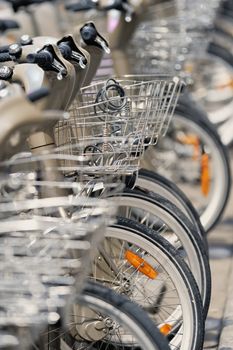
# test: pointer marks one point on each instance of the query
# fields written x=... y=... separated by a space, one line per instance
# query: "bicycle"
x=191 y=290
x=184 y=114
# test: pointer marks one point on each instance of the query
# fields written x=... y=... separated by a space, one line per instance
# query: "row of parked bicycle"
x=115 y=122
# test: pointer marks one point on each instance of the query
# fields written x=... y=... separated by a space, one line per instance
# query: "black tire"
x=221 y=52
x=173 y=256
x=180 y=199
x=176 y=215
x=104 y=299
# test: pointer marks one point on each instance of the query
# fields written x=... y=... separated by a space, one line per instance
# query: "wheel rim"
x=184 y=336
x=148 y=214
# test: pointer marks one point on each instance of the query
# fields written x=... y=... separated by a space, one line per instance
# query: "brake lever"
x=56 y=62
x=82 y=5
x=91 y=36
x=70 y=50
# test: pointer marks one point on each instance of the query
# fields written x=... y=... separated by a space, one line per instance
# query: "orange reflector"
x=229 y=84
x=140 y=264
x=11 y=38
x=165 y=329
x=189 y=68
x=205 y=174
x=192 y=140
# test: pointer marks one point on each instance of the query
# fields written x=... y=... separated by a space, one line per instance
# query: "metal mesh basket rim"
x=151 y=101
x=144 y=78
x=135 y=80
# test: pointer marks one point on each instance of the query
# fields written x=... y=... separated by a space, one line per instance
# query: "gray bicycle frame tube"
x=96 y=54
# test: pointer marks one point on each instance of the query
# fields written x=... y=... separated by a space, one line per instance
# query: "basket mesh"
x=110 y=136
x=167 y=43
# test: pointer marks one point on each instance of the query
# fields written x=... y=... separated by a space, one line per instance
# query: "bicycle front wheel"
x=166 y=220
x=102 y=319
x=193 y=156
x=133 y=261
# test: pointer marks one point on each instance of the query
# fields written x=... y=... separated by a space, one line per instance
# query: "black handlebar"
x=43 y=58
x=6 y=73
x=38 y=94
x=227 y=5
x=17 y=4
x=6 y=24
x=91 y=36
x=83 y=5
x=24 y=40
x=88 y=33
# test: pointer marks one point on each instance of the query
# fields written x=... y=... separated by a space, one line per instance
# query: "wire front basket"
x=112 y=123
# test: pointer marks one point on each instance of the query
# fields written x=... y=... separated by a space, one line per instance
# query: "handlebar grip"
x=116 y=5
x=225 y=12
x=38 y=94
x=88 y=33
x=5 y=57
x=41 y=58
x=65 y=50
x=6 y=24
x=6 y=72
x=227 y=5
x=4 y=49
x=81 y=6
x=16 y=4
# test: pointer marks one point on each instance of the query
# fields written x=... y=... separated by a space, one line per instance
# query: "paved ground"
x=219 y=325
